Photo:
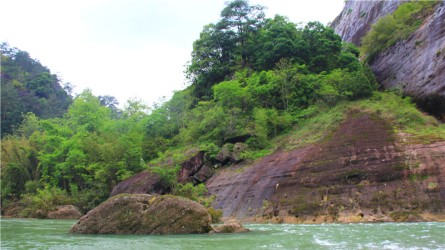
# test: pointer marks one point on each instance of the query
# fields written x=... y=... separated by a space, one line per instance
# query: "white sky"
x=127 y=48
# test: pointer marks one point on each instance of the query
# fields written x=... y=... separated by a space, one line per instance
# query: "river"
x=53 y=234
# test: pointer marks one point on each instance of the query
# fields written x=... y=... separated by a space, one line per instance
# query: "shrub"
x=37 y=205
x=196 y=193
x=216 y=214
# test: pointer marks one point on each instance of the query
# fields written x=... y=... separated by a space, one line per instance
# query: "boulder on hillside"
x=142 y=183
x=230 y=226
x=66 y=212
x=231 y=153
x=195 y=169
x=145 y=214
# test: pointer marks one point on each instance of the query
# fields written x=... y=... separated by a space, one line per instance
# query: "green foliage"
x=315 y=124
x=196 y=193
x=402 y=112
x=47 y=199
x=216 y=214
x=280 y=85
x=168 y=176
x=28 y=86
x=395 y=27
x=340 y=85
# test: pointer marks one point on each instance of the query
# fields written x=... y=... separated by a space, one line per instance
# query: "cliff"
x=356 y=18
x=364 y=172
x=416 y=66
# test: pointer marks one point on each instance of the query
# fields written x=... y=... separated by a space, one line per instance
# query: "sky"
x=129 y=49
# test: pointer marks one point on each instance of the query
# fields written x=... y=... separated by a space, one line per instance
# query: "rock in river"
x=145 y=214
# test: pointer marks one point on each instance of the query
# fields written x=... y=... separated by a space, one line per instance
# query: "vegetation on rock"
x=395 y=27
x=145 y=214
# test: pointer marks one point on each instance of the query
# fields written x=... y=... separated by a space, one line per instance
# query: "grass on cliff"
x=318 y=124
x=404 y=117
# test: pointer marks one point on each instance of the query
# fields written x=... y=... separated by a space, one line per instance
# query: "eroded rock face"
x=360 y=171
x=416 y=66
x=356 y=18
x=195 y=169
x=145 y=214
x=142 y=183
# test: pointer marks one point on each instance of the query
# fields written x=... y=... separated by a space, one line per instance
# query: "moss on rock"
x=145 y=214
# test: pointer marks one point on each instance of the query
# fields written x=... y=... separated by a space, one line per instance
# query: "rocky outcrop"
x=231 y=153
x=142 y=183
x=416 y=66
x=230 y=226
x=145 y=214
x=356 y=18
x=195 y=170
x=66 y=212
x=362 y=173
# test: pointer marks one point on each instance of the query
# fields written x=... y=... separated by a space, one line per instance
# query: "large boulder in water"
x=145 y=214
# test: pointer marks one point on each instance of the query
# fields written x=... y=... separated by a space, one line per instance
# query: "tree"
x=221 y=45
x=28 y=86
x=244 y=20
x=87 y=112
x=322 y=47
x=110 y=102
x=278 y=39
x=212 y=59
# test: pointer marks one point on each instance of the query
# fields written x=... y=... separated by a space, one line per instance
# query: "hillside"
x=28 y=87
x=364 y=171
x=280 y=122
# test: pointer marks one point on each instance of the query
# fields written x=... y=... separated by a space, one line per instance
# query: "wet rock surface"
x=145 y=214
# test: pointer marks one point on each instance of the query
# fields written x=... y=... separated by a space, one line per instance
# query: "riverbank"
x=347 y=218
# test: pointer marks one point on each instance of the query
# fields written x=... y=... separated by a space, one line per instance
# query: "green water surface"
x=53 y=234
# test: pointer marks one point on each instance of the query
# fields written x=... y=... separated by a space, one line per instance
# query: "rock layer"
x=416 y=66
x=356 y=18
x=145 y=214
x=360 y=171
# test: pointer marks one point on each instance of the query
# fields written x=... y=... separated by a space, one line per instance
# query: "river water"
x=53 y=234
